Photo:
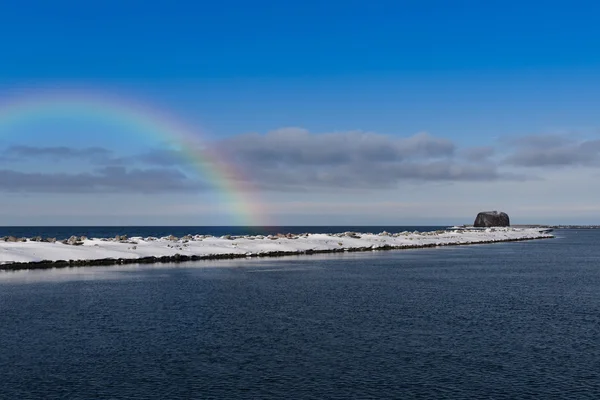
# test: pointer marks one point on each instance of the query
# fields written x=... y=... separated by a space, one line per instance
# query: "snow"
x=210 y=246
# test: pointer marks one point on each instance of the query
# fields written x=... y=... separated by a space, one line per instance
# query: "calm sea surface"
x=503 y=321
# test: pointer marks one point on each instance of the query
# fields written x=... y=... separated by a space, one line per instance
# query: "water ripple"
x=496 y=322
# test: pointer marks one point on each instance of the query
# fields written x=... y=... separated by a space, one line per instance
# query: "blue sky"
x=355 y=112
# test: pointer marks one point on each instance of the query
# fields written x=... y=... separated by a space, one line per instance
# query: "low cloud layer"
x=293 y=158
x=553 y=151
x=105 y=180
x=56 y=151
x=94 y=155
x=296 y=160
x=294 y=146
x=477 y=154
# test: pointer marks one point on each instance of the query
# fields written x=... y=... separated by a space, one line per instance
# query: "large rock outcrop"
x=486 y=219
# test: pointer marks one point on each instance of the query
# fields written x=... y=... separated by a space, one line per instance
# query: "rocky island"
x=486 y=219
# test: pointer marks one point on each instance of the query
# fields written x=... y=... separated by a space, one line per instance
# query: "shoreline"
x=79 y=253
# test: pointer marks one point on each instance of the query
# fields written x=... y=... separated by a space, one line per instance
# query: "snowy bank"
x=79 y=251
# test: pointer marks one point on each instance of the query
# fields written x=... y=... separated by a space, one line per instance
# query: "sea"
x=518 y=320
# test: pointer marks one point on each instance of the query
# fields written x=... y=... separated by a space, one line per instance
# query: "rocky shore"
x=37 y=252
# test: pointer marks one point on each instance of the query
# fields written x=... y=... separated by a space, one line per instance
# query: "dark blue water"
x=502 y=321
x=64 y=232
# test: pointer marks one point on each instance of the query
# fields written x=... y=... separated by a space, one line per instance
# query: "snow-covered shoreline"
x=37 y=253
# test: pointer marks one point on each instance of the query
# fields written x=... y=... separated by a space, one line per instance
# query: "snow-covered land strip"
x=21 y=253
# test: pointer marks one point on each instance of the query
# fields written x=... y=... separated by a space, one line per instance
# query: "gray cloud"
x=290 y=159
x=295 y=146
x=376 y=176
x=109 y=179
x=163 y=158
x=554 y=151
x=477 y=154
x=295 y=159
x=57 y=151
x=95 y=155
x=541 y=141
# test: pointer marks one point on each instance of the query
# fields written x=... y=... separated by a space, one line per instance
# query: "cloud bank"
x=554 y=151
x=296 y=160
x=105 y=180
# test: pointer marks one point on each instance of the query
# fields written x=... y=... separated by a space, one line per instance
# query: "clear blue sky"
x=518 y=81
x=139 y=40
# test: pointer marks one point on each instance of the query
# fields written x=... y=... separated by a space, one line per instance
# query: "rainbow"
x=233 y=187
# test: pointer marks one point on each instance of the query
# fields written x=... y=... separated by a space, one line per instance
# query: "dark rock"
x=486 y=219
